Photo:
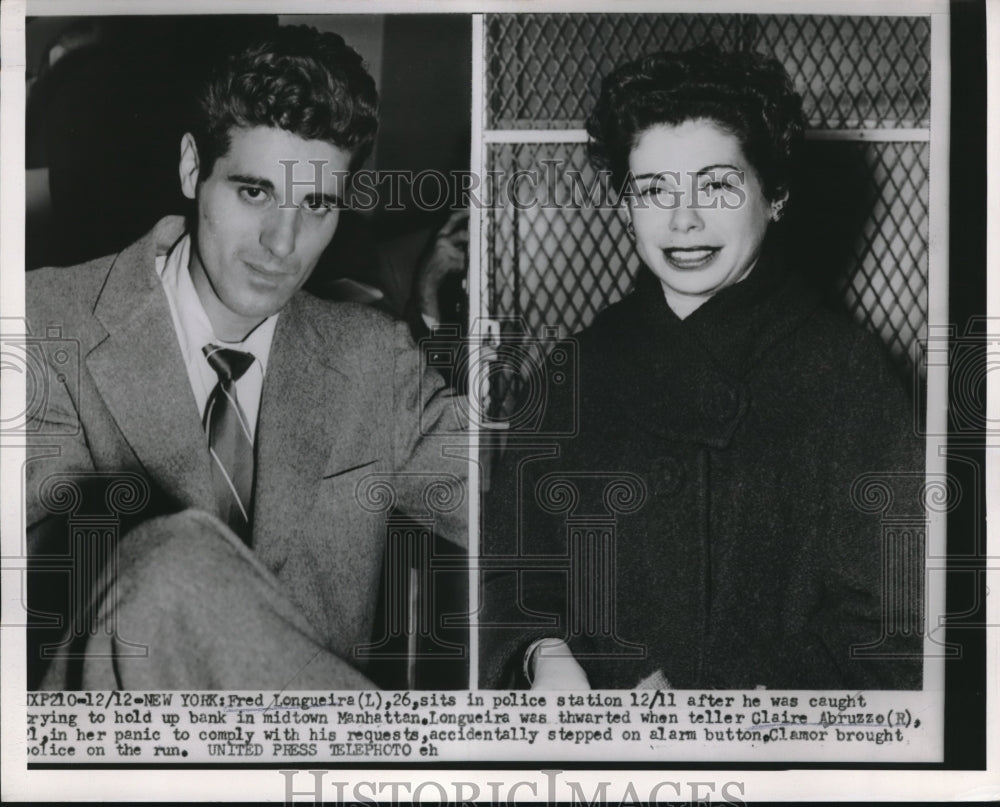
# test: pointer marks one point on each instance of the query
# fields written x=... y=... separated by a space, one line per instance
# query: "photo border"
x=970 y=767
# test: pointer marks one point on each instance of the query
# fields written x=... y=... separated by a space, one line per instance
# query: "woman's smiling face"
x=699 y=210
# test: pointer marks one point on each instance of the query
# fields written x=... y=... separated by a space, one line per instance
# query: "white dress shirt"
x=194 y=331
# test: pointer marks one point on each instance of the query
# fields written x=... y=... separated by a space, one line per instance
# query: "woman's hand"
x=554 y=667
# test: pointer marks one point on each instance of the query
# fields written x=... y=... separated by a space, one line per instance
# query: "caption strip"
x=177 y=727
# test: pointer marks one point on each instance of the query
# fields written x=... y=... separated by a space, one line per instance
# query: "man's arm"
x=430 y=443
x=56 y=442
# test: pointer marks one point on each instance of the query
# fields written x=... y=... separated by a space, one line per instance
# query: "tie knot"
x=229 y=365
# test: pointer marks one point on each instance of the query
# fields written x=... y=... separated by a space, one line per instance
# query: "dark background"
x=965 y=677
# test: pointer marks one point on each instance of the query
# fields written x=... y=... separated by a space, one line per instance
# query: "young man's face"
x=265 y=214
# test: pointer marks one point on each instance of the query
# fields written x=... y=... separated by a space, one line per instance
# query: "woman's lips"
x=688 y=258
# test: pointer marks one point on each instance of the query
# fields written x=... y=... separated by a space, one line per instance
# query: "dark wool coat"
x=709 y=488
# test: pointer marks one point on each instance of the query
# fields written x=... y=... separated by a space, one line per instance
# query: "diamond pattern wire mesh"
x=853 y=72
x=560 y=260
x=559 y=267
x=545 y=70
x=887 y=289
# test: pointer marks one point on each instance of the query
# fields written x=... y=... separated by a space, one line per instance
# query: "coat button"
x=668 y=475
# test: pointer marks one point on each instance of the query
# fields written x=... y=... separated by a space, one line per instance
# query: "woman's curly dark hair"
x=306 y=82
x=746 y=94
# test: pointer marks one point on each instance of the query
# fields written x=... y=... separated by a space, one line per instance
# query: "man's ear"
x=189 y=165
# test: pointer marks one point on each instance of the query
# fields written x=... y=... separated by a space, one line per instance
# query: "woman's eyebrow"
x=675 y=174
x=658 y=175
x=708 y=168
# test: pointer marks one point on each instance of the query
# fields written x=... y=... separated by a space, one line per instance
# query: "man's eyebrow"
x=247 y=179
x=330 y=199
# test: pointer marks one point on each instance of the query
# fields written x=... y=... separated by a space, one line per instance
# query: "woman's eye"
x=715 y=186
x=252 y=194
x=657 y=191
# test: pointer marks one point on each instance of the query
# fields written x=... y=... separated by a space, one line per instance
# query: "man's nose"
x=279 y=232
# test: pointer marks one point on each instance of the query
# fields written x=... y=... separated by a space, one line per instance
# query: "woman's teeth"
x=690 y=258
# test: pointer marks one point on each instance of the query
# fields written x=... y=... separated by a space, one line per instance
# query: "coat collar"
x=132 y=289
x=686 y=379
x=736 y=326
x=140 y=374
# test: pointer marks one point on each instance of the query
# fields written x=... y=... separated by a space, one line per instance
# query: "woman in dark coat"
x=715 y=520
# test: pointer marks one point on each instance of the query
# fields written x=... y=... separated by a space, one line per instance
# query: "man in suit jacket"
x=254 y=566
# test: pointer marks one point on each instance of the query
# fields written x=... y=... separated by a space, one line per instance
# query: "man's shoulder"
x=72 y=295
x=62 y=280
x=349 y=324
x=64 y=292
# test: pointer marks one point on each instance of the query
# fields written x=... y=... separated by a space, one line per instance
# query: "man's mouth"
x=263 y=271
x=688 y=258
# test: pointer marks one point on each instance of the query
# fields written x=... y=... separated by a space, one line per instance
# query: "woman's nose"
x=685 y=217
x=279 y=232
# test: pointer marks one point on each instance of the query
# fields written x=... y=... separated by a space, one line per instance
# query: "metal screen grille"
x=865 y=83
x=558 y=264
x=544 y=70
x=853 y=72
x=887 y=287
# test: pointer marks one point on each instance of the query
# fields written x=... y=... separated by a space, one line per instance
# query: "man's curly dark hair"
x=746 y=94
x=309 y=83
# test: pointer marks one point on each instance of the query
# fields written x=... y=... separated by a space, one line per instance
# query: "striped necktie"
x=230 y=440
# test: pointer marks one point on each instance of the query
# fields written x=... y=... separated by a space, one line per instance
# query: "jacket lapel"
x=304 y=380
x=140 y=373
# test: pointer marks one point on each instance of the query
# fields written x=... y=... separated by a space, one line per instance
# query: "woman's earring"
x=630 y=229
x=776 y=208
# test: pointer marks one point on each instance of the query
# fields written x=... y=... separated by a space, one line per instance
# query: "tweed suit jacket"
x=344 y=406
